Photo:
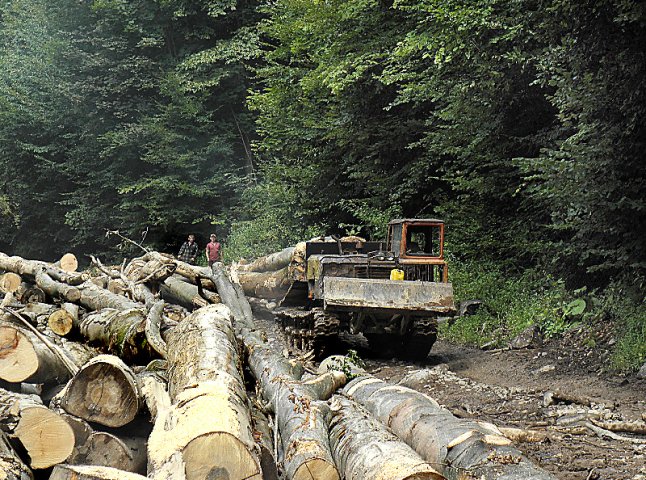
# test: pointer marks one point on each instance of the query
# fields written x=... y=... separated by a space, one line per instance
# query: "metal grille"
x=421 y=272
x=372 y=272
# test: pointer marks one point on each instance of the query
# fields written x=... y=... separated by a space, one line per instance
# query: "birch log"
x=366 y=450
x=475 y=448
x=269 y=285
x=46 y=436
x=191 y=441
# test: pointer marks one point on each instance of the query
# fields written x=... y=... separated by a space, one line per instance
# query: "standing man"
x=188 y=252
x=213 y=250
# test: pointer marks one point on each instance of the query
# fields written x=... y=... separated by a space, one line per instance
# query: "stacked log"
x=193 y=390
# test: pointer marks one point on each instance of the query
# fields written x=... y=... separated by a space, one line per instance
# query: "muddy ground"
x=511 y=388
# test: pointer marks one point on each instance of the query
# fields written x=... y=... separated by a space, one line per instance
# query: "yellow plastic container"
x=396 y=274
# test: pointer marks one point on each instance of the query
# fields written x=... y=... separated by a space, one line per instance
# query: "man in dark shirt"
x=188 y=252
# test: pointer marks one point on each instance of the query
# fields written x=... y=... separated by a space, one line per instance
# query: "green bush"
x=511 y=304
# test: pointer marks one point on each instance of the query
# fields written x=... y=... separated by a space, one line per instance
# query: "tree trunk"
x=365 y=449
x=300 y=419
x=264 y=437
x=90 y=472
x=46 y=436
x=269 y=285
x=269 y=263
x=68 y=263
x=107 y=450
x=29 y=293
x=94 y=297
x=57 y=289
x=175 y=290
x=153 y=328
x=62 y=321
x=104 y=391
x=27 y=358
x=475 y=448
x=189 y=441
x=10 y=282
x=122 y=331
x=11 y=466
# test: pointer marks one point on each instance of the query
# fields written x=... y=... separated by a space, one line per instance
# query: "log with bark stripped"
x=104 y=391
x=474 y=448
x=189 y=441
x=365 y=449
x=10 y=282
x=44 y=434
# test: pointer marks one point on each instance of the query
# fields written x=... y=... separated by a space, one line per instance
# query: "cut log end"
x=61 y=322
x=87 y=472
x=316 y=469
x=234 y=461
x=69 y=263
x=18 y=359
x=46 y=436
x=104 y=392
x=10 y=282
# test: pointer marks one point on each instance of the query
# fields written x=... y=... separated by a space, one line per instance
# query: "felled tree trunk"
x=10 y=282
x=189 y=440
x=153 y=267
x=62 y=320
x=57 y=289
x=108 y=450
x=47 y=437
x=183 y=293
x=269 y=263
x=104 y=391
x=91 y=472
x=29 y=293
x=365 y=449
x=27 y=357
x=474 y=448
x=122 y=331
x=300 y=419
x=11 y=466
x=269 y=285
x=94 y=297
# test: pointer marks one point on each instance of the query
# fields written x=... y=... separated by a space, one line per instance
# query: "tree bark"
x=269 y=263
x=108 y=450
x=153 y=328
x=104 y=391
x=475 y=448
x=29 y=293
x=301 y=421
x=46 y=436
x=188 y=440
x=122 y=331
x=11 y=465
x=365 y=449
x=185 y=294
x=269 y=285
x=90 y=472
x=25 y=357
x=94 y=297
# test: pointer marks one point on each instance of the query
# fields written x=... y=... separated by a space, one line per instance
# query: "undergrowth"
x=514 y=302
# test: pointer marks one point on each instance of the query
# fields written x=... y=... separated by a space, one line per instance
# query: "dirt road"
x=512 y=388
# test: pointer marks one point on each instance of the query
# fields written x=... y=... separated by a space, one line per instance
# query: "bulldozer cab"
x=416 y=239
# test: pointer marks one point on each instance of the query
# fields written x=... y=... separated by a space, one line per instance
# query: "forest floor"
x=508 y=388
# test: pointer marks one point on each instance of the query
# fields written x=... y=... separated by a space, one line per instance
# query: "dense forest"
x=521 y=123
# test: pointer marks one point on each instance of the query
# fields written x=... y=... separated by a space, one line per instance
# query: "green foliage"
x=512 y=303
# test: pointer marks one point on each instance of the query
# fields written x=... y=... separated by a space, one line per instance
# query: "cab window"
x=423 y=240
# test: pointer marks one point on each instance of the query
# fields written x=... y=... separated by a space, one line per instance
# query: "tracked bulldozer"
x=392 y=292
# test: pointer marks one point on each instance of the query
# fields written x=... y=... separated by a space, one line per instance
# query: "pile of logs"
x=156 y=368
